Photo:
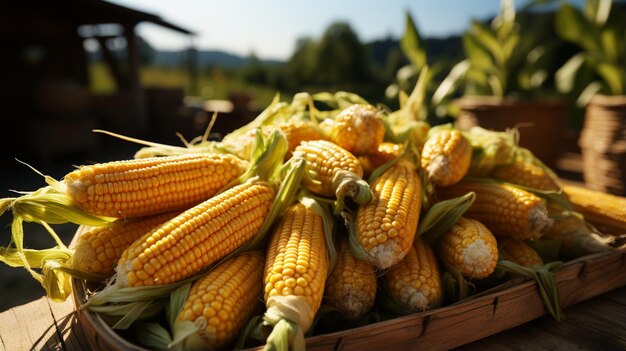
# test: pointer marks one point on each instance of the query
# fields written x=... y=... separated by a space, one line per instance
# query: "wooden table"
x=595 y=324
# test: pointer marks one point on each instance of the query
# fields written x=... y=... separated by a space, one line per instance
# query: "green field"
x=213 y=84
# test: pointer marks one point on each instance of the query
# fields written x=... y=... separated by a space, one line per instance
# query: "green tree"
x=301 y=65
x=341 y=58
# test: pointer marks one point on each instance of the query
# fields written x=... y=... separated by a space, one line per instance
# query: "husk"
x=350 y=185
x=544 y=277
x=491 y=149
x=290 y=317
x=443 y=215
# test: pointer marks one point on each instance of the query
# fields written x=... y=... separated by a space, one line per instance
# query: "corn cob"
x=358 y=129
x=298 y=131
x=137 y=188
x=519 y=252
x=577 y=238
x=527 y=173
x=385 y=153
x=351 y=286
x=296 y=270
x=606 y=211
x=333 y=171
x=415 y=282
x=470 y=248
x=99 y=249
x=386 y=227
x=503 y=208
x=446 y=157
x=197 y=237
x=221 y=303
x=325 y=160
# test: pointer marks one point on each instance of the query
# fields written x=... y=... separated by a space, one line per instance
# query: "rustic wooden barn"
x=46 y=106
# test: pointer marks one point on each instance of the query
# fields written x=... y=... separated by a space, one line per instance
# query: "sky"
x=270 y=28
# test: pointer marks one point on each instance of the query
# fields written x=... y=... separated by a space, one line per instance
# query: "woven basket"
x=541 y=124
x=506 y=306
x=603 y=144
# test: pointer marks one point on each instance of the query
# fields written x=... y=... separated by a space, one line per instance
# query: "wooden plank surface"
x=595 y=324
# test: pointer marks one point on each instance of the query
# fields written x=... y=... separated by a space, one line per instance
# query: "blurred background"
x=149 y=69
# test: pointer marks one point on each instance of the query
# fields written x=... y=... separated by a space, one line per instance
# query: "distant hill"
x=205 y=58
x=379 y=49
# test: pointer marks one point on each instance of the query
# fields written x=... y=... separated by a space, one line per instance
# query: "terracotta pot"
x=540 y=123
x=603 y=144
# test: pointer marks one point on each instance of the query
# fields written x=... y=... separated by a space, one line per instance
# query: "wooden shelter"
x=45 y=102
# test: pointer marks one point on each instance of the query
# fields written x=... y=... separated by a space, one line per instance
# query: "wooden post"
x=139 y=119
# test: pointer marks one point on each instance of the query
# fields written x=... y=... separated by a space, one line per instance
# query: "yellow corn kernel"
x=386 y=227
x=324 y=160
x=526 y=173
x=359 y=129
x=519 y=252
x=415 y=281
x=297 y=260
x=99 y=249
x=606 y=211
x=298 y=131
x=223 y=301
x=470 y=248
x=197 y=237
x=505 y=209
x=138 y=188
x=351 y=286
x=446 y=157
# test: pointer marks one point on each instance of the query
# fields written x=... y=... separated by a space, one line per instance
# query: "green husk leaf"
x=545 y=280
x=153 y=149
x=443 y=215
x=456 y=287
x=272 y=111
x=491 y=149
x=252 y=331
x=390 y=303
x=52 y=206
x=282 y=336
x=122 y=316
x=358 y=251
x=187 y=337
x=176 y=303
x=35 y=258
x=350 y=185
x=154 y=336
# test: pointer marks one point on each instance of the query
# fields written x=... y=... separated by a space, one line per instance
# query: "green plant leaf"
x=509 y=45
x=451 y=82
x=570 y=25
x=592 y=89
x=488 y=39
x=608 y=40
x=597 y=11
x=612 y=77
x=412 y=45
x=565 y=76
x=477 y=54
x=504 y=23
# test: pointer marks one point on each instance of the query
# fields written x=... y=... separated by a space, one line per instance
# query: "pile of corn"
x=324 y=201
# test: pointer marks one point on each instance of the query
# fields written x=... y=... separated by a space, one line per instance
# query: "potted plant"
x=503 y=76
x=597 y=75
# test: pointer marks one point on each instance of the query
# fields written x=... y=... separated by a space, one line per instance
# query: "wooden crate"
x=477 y=317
